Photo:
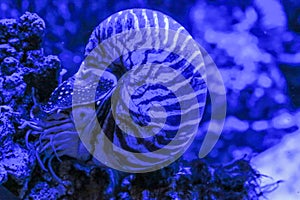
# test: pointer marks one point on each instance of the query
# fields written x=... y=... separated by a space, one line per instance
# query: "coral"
x=43 y=191
x=22 y=63
x=16 y=162
x=9 y=66
x=43 y=75
x=20 y=69
x=87 y=182
x=8 y=29
x=3 y=174
x=31 y=31
x=194 y=180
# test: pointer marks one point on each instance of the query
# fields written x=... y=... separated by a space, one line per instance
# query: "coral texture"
x=27 y=77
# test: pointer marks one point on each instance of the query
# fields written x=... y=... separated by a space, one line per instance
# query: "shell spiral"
x=138 y=97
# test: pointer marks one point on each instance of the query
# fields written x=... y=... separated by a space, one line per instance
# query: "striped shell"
x=138 y=97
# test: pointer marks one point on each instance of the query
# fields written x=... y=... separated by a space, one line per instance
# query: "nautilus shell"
x=137 y=100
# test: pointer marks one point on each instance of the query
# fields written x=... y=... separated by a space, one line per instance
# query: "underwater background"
x=254 y=43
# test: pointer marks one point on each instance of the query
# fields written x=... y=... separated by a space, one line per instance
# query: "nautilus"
x=135 y=103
